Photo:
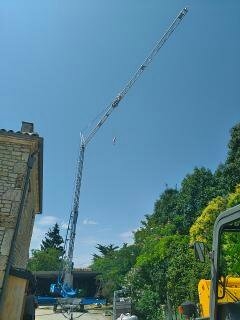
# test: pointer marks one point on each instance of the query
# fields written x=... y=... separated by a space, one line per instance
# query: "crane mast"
x=71 y=231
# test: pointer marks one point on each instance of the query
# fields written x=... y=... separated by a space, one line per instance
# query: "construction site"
x=179 y=262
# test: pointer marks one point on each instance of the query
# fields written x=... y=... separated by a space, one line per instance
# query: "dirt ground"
x=46 y=313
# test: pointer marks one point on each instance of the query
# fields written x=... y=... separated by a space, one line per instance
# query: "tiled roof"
x=19 y=133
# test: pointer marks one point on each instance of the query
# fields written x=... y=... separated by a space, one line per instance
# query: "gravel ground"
x=48 y=314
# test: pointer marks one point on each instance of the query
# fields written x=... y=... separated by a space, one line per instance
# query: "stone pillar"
x=21 y=160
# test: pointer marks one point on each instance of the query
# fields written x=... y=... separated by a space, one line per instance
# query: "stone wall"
x=18 y=208
x=13 y=166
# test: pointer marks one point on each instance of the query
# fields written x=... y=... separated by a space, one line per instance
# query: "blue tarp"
x=46 y=301
x=91 y=300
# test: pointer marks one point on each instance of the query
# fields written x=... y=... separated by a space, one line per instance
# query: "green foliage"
x=197 y=189
x=105 y=250
x=229 y=262
x=165 y=267
x=169 y=263
x=147 y=305
x=234 y=144
x=166 y=207
x=53 y=239
x=163 y=270
x=49 y=257
x=184 y=272
x=113 y=266
x=147 y=288
x=44 y=260
x=231 y=242
x=145 y=230
x=234 y=198
x=202 y=228
x=228 y=174
x=202 y=231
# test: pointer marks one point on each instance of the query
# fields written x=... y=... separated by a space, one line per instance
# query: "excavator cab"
x=220 y=297
x=228 y=293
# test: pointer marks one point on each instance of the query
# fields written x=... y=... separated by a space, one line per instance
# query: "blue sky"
x=62 y=62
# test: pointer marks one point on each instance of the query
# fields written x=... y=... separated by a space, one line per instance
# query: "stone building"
x=21 y=162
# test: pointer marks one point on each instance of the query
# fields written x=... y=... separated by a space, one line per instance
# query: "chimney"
x=27 y=127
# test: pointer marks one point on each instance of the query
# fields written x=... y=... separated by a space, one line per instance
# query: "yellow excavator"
x=219 y=298
x=228 y=294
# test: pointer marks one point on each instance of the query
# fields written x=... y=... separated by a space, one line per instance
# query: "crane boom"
x=71 y=231
x=137 y=74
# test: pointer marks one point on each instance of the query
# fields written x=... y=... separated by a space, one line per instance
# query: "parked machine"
x=219 y=298
x=228 y=293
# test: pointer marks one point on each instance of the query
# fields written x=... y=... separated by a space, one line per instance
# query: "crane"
x=66 y=278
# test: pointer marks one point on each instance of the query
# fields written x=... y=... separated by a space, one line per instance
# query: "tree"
x=228 y=174
x=105 y=250
x=184 y=272
x=233 y=199
x=163 y=221
x=113 y=265
x=44 y=260
x=202 y=228
x=166 y=207
x=202 y=231
x=231 y=242
x=165 y=271
x=234 y=144
x=49 y=257
x=197 y=189
x=53 y=239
